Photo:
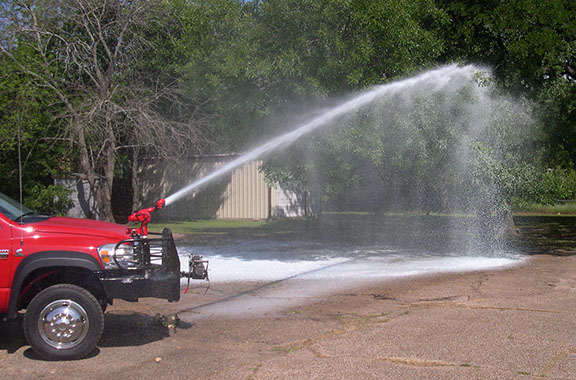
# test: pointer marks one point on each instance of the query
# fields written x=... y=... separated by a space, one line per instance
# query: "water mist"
x=427 y=141
x=435 y=80
x=441 y=140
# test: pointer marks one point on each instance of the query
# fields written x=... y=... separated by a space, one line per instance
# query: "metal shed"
x=242 y=194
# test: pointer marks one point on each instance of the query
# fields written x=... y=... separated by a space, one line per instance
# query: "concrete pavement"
x=515 y=323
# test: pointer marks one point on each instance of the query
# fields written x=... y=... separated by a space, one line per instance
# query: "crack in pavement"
x=457 y=305
x=556 y=361
x=416 y=362
x=359 y=322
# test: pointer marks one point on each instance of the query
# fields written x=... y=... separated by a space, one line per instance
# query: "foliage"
x=409 y=163
x=551 y=186
x=172 y=78
x=325 y=49
x=209 y=53
x=53 y=200
x=460 y=149
x=527 y=42
x=91 y=56
x=261 y=60
x=28 y=130
x=530 y=45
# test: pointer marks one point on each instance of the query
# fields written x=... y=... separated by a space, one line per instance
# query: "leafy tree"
x=90 y=56
x=410 y=166
x=53 y=200
x=335 y=46
x=462 y=148
x=258 y=61
x=324 y=49
x=530 y=45
x=213 y=55
x=29 y=138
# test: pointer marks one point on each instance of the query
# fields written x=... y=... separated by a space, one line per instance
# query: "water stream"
x=356 y=253
x=434 y=80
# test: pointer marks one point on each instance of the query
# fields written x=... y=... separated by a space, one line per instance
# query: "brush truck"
x=63 y=272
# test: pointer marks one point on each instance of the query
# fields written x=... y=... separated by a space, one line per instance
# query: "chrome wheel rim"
x=63 y=324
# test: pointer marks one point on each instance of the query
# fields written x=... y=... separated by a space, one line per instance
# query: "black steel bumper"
x=157 y=273
x=155 y=285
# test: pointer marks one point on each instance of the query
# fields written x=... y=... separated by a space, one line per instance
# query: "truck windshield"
x=12 y=209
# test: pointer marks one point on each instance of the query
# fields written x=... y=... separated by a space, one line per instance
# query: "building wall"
x=246 y=196
x=242 y=194
x=288 y=204
x=83 y=202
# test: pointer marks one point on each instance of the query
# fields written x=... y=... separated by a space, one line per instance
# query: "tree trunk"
x=509 y=227
x=134 y=181
x=108 y=179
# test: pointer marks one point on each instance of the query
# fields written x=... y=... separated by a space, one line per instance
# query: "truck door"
x=5 y=253
x=5 y=262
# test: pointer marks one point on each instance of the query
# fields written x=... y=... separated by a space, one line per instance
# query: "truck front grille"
x=157 y=252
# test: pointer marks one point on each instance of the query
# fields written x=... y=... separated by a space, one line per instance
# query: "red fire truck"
x=63 y=272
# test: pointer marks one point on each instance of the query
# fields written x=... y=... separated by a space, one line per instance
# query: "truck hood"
x=85 y=227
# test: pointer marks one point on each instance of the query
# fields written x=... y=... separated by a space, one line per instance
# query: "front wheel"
x=63 y=322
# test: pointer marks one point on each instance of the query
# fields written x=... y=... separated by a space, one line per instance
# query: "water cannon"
x=143 y=217
x=160 y=203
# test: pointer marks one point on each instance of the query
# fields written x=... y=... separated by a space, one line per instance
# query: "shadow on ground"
x=547 y=234
x=121 y=330
x=136 y=329
x=12 y=335
x=541 y=234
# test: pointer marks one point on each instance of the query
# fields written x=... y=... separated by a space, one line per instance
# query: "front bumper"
x=157 y=274
x=150 y=284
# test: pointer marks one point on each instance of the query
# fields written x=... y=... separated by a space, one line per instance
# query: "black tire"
x=63 y=322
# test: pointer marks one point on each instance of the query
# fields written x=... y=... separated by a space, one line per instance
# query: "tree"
x=412 y=158
x=90 y=55
x=261 y=61
x=326 y=49
x=530 y=45
x=27 y=152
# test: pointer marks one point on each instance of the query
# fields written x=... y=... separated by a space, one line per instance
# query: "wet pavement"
x=287 y=274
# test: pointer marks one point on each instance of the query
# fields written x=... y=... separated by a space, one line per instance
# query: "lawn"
x=537 y=233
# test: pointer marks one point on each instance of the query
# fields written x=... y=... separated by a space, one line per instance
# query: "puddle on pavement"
x=292 y=273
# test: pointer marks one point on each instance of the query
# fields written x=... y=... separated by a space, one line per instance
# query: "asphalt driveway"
x=513 y=323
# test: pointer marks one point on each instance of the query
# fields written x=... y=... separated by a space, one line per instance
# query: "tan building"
x=241 y=194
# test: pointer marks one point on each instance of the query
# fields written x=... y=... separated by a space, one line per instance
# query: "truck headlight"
x=113 y=254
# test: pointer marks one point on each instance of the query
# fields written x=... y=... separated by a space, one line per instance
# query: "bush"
x=53 y=199
x=546 y=189
x=556 y=184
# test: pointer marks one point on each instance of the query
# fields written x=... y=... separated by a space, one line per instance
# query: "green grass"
x=300 y=225
x=199 y=226
x=537 y=233
x=565 y=208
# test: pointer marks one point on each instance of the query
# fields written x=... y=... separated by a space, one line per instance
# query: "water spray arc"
x=439 y=77
x=436 y=80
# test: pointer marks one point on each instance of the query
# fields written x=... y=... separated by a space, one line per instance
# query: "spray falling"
x=435 y=80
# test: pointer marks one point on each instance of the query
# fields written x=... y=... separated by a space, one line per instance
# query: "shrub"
x=52 y=199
